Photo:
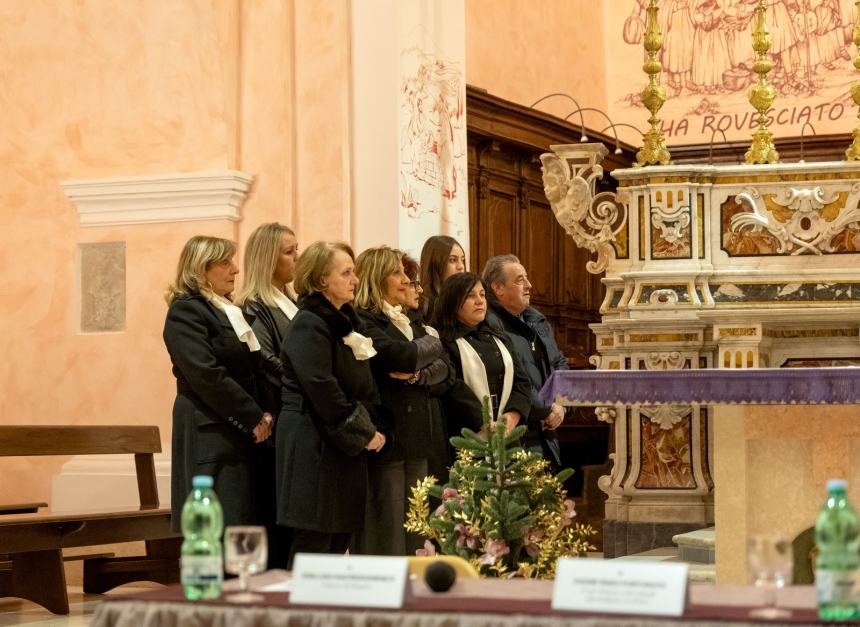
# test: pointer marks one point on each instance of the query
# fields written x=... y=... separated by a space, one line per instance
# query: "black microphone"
x=440 y=576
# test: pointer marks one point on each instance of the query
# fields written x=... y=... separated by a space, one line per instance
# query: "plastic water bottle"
x=837 y=535
x=202 y=524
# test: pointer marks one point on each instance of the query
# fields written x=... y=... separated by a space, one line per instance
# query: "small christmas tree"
x=501 y=510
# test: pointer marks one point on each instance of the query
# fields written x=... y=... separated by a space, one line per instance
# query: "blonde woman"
x=266 y=297
x=216 y=357
x=326 y=425
x=269 y=304
x=410 y=371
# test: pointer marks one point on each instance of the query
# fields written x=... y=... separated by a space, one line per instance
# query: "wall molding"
x=164 y=198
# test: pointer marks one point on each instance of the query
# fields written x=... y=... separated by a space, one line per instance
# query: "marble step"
x=696 y=546
x=697 y=572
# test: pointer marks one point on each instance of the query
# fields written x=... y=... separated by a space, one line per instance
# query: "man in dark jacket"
x=508 y=293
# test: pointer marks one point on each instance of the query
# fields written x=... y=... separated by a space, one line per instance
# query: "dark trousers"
x=389 y=488
x=310 y=541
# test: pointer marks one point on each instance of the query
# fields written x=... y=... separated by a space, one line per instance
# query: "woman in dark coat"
x=409 y=367
x=270 y=263
x=216 y=358
x=483 y=358
x=326 y=423
x=441 y=257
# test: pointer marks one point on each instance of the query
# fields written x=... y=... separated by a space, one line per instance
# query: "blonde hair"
x=199 y=254
x=261 y=258
x=373 y=266
x=314 y=264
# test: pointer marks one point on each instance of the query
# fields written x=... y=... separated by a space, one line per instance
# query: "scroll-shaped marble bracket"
x=593 y=220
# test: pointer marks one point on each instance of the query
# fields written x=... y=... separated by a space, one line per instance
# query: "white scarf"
x=286 y=305
x=362 y=347
x=431 y=331
x=237 y=321
x=399 y=319
x=475 y=374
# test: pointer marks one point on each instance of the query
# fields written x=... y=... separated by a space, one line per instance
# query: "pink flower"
x=569 y=513
x=493 y=550
x=465 y=537
x=429 y=550
x=450 y=493
x=439 y=510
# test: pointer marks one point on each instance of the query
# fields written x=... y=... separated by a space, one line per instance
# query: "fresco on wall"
x=432 y=122
x=707 y=57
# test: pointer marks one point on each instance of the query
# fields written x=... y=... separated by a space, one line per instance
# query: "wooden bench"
x=31 y=543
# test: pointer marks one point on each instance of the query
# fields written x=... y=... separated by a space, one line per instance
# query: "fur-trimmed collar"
x=340 y=322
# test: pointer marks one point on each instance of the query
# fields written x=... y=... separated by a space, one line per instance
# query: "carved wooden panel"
x=509 y=213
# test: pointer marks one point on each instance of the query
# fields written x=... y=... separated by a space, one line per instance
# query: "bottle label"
x=201 y=570
x=835 y=586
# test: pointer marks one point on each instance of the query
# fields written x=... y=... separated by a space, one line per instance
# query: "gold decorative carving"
x=853 y=152
x=653 y=151
x=802 y=220
x=736 y=332
x=594 y=221
x=761 y=95
x=787 y=334
x=663 y=337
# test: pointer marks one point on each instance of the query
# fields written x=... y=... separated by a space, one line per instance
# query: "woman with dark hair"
x=441 y=257
x=408 y=366
x=326 y=424
x=483 y=358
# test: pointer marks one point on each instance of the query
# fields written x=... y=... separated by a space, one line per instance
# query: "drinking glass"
x=770 y=564
x=245 y=553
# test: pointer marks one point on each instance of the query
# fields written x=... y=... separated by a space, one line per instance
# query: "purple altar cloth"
x=760 y=386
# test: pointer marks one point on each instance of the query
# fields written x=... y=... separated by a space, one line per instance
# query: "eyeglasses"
x=415 y=284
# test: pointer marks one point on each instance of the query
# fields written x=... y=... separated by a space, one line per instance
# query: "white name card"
x=353 y=580
x=620 y=587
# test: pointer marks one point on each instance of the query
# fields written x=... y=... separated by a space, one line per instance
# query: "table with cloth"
x=470 y=603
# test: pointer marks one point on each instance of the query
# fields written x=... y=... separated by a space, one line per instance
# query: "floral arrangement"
x=502 y=510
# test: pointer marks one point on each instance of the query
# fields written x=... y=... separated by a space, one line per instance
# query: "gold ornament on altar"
x=853 y=152
x=653 y=151
x=761 y=95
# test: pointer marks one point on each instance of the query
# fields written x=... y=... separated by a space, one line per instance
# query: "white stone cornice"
x=165 y=198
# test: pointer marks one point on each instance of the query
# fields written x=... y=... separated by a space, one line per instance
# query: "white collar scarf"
x=398 y=319
x=286 y=305
x=475 y=374
x=237 y=321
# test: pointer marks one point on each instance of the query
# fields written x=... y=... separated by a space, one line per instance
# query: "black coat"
x=269 y=325
x=534 y=344
x=462 y=407
x=418 y=427
x=215 y=411
x=325 y=422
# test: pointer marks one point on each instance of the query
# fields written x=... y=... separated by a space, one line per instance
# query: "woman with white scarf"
x=268 y=300
x=410 y=370
x=216 y=362
x=327 y=427
x=483 y=358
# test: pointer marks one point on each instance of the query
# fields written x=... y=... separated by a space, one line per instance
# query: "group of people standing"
x=320 y=392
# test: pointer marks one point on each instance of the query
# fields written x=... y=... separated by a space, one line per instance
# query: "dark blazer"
x=534 y=343
x=270 y=325
x=417 y=423
x=462 y=407
x=325 y=422
x=215 y=413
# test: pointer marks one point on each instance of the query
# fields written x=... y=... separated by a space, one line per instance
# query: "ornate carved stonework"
x=593 y=220
x=726 y=266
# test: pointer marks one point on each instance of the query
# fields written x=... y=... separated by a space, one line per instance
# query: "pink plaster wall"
x=522 y=51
